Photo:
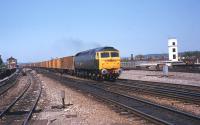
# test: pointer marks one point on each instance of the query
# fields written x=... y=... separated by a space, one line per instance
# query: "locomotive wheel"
x=112 y=78
x=94 y=76
x=99 y=78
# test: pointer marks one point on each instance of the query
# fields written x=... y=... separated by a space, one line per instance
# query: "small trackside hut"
x=11 y=63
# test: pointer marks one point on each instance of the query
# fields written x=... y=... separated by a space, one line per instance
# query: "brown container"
x=46 y=64
x=67 y=63
x=58 y=63
x=54 y=64
x=51 y=63
x=42 y=64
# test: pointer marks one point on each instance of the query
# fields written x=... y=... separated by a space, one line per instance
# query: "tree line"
x=1 y=63
x=191 y=54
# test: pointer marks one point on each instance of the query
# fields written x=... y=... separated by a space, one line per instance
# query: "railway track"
x=8 y=83
x=20 y=109
x=184 y=93
x=151 y=111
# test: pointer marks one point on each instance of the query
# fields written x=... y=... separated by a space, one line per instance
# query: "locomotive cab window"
x=104 y=55
x=114 y=54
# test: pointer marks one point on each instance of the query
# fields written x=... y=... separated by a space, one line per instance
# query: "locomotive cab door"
x=97 y=60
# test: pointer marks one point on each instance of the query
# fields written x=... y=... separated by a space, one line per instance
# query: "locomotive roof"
x=97 y=50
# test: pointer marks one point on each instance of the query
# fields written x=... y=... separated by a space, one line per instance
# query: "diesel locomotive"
x=99 y=63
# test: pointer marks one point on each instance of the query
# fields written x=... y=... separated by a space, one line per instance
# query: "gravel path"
x=157 y=76
x=84 y=109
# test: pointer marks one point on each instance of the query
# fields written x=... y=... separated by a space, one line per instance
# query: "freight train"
x=100 y=63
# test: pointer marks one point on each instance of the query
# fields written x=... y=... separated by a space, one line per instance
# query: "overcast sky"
x=36 y=30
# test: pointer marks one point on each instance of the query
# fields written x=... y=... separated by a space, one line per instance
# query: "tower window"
x=174 y=50
x=174 y=56
x=173 y=43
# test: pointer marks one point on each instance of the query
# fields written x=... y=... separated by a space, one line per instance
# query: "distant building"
x=173 y=50
x=11 y=63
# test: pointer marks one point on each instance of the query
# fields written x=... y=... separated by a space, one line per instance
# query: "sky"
x=37 y=30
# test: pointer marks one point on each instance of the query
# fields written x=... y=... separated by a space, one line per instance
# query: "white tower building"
x=173 y=49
